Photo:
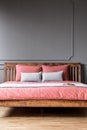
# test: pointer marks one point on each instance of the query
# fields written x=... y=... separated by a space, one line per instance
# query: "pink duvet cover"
x=63 y=91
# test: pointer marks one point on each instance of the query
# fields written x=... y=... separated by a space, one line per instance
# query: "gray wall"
x=43 y=30
x=32 y=27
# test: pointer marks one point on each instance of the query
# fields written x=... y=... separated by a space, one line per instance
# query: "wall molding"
x=47 y=60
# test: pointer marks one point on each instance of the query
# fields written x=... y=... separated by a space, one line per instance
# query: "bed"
x=74 y=75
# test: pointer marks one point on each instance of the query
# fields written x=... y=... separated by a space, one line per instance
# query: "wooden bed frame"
x=74 y=75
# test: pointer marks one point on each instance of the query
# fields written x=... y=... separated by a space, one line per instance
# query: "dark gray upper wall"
x=36 y=29
x=43 y=30
x=80 y=31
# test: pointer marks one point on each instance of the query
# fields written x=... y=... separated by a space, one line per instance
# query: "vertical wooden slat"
x=73 y=73
x=13 y=74
x=76 y=73
x=5 y=73
x=70 y=73
x=79 y=73
x=9 y=73
x=10 y=69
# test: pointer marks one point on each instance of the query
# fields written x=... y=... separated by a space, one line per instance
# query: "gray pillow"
x=31 y=77
x=52 y=76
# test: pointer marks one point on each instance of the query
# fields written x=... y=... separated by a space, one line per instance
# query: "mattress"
x=66 y=90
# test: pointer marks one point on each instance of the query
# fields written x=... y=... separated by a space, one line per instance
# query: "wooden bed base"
x=74 y=75
x=43 y=103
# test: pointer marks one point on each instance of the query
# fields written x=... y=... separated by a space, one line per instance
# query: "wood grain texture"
x=43 y=103
x=28 y=119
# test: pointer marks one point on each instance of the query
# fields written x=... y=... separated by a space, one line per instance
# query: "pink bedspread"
x=60 y=92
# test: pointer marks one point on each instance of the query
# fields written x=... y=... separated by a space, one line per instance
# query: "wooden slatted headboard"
x=74 y=70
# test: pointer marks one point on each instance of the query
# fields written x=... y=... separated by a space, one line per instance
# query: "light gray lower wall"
x=43 y=30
